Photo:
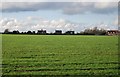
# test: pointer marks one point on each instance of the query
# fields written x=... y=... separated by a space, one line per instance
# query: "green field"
x=59 y=55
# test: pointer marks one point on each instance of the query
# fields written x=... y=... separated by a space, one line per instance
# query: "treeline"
x=94 y=31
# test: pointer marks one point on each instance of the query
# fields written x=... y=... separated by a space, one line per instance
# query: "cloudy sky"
x=24 y=16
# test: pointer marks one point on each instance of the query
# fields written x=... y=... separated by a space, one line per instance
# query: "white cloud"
x=100 y=25
x=30 y=24
x=11 y=24
x=36 y=23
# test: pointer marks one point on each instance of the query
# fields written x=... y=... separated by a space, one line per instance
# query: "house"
x=58 y=32
x=113 y=32
x=69 y=32
x=16 y=32
x=41 y=31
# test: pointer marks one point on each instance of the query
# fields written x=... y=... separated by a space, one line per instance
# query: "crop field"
x=59 y=55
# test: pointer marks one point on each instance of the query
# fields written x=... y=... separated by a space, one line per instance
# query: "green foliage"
x=59 y=55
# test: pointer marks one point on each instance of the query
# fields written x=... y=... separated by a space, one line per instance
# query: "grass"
x=59 y=55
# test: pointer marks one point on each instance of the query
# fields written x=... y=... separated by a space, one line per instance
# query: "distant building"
x=16 y=32
x=113 y=32
x=58 y=31
x=41 y=31
x=70 y=32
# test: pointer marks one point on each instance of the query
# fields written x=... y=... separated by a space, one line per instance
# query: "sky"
x=77 y=16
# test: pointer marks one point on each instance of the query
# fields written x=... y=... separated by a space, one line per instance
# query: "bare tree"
x=95 y=31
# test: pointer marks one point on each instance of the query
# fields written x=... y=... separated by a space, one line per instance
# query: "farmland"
x=59 y=55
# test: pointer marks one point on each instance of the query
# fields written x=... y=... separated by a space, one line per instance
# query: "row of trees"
x=94 y=31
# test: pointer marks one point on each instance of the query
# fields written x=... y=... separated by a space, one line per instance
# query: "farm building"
x=58 y=31
x=41 y=31
x=69 y=32
x=113 y=32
